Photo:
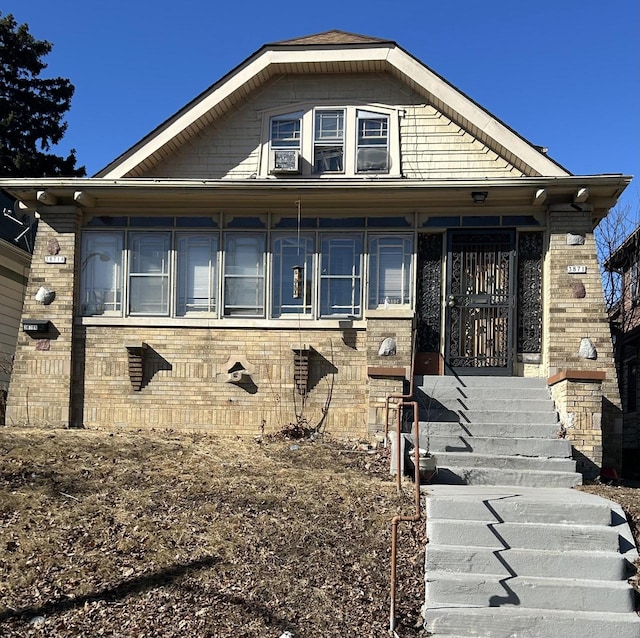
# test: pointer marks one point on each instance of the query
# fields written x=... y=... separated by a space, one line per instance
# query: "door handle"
x=451 y=301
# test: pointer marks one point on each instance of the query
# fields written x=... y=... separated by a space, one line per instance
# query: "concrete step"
x=460 y=475
x=505 y=462
x=609 y=566
x=497 y=416
x=496 y=430
x=533 y=563
x=484 y=402
x=514 y=446
x=454 y=393
x=522 y=505
x=477 y=381
x=485 y=590
x=500 y=536
x=507 y=622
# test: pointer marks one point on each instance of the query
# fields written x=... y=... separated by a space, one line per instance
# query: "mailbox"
x=36 y=326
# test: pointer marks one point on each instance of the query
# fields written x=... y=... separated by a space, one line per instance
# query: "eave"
x=453 y=195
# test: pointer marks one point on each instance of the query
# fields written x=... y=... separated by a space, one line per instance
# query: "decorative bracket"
x=301 y=369
x=136 y=353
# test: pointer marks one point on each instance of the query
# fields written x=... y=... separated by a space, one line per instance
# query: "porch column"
x=41 y=381
x=578 y=340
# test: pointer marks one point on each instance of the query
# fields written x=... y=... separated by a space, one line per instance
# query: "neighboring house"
x=262 y=258
x=625 y=323
x=15 y=258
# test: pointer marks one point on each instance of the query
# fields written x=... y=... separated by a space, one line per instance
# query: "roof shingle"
x=332 y=37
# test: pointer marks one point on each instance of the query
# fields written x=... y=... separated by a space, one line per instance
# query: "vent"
x=285 y=162
x=373 y=159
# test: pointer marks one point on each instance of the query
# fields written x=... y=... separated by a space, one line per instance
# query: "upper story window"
x=372 y=154
x=328 y=141
x=285 y=131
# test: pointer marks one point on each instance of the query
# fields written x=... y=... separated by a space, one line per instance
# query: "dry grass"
x=164 y=534
x=160 y=534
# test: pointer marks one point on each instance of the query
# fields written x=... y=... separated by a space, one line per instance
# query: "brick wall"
x=40 y=386
x=574 y=310
x=381 y=385
x=186 y=382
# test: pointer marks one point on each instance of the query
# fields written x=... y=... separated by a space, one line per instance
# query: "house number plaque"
x=576 y=270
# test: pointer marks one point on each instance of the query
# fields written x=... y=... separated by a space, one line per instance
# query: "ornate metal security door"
x=479 y=302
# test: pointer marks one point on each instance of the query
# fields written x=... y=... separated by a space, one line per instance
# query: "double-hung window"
x=340 y=275
x=149 y=273
x=389 y=270
x=101 y=273
x=285 y=131
x=372 y=152
x=328 y=141
x=244 y=258
x=197 y=273
x=292 y=275
x=285 y=142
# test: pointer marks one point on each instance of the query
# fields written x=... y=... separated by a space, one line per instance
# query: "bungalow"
x=327 y=219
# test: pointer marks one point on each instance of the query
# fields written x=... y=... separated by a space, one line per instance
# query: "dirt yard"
x=165 y=534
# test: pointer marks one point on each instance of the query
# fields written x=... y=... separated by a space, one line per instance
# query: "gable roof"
x=330 y=52
x=331 y=37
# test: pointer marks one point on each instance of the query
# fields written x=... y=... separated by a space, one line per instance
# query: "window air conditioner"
x=373 y=159
x=285 y=162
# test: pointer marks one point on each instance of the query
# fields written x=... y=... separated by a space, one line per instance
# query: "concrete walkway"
x=505 y=562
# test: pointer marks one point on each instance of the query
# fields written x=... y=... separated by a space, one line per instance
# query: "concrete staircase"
x=512 y=551
x=492 y=431
x=527 y=562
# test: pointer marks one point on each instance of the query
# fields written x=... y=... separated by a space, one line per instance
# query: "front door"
x=479 y=302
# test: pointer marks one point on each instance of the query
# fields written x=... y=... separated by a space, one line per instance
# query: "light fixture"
x=478 y=197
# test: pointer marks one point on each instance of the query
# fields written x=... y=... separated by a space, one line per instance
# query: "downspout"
x=410 y=519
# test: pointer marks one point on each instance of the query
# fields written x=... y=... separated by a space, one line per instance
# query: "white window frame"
x=352 y=112
x=281 y=281
x=244 y=274
x=99 y=254
x=185 y=277
x=323 y=272
x=328 y=276
x=161 y=276
x=324 y=142
x=366 y=142
x=377 y=296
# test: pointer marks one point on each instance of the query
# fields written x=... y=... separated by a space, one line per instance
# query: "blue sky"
x=565 y=74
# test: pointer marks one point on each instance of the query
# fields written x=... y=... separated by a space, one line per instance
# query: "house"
x=624 y=263
x=15 y=258
x=274 y=254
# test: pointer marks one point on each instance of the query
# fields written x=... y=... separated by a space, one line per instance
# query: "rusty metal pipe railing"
x=397 y=519
x=409 y=395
